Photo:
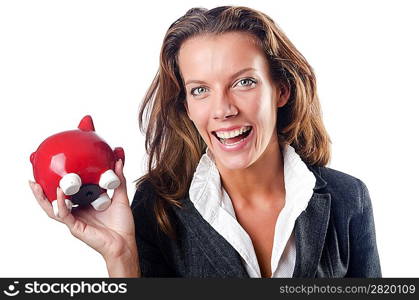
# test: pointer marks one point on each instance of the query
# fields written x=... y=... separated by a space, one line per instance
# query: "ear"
x=283 y=94
x=86 y=124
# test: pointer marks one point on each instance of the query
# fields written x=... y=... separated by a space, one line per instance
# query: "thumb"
x=120 y=193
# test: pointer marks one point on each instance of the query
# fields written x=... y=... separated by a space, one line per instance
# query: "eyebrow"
x=232 y=76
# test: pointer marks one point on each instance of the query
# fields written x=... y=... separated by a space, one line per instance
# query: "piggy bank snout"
x=87 y=194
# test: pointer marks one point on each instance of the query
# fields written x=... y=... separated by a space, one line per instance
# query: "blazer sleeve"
x=364 y=258
x=152 y=261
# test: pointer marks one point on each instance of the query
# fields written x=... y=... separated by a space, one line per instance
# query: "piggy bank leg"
x=68 y=203
x=102 y=202
x=109 y=180
x=70 y=184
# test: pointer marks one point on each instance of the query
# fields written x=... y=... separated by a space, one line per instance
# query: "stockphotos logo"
x=11 y=289
x=70 y=289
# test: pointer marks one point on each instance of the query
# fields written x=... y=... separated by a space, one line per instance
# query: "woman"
x=237 y=183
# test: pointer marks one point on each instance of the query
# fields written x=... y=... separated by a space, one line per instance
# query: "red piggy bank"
x=81 y=163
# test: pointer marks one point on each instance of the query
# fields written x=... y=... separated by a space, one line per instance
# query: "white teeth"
x=233 y=133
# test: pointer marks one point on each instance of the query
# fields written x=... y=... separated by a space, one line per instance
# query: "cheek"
x=267 y=106
x=199 y=114
x=258 y=106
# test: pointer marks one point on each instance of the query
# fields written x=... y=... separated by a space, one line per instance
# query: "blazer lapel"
x=311 y=228
x=310 y=233
x=222 y=256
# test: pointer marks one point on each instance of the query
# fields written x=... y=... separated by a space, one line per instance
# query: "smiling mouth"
x=234 y=140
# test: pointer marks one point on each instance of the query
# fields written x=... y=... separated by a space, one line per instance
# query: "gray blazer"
x=335 y=235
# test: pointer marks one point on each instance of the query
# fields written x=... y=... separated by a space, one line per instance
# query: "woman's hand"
x=110 y=232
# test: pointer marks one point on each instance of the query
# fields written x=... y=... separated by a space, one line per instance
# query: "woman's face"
x=230 y=96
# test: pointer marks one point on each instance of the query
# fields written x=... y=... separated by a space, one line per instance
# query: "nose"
x=87 y=194
x=224 y=106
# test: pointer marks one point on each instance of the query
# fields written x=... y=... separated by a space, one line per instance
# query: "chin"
x=235 y=162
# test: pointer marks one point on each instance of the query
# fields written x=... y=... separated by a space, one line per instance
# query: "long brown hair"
x=174 y=145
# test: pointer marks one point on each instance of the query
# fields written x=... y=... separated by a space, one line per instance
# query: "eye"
x=246 y=82
x=198 y=91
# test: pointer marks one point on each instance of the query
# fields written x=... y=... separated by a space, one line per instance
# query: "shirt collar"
x=206 y=191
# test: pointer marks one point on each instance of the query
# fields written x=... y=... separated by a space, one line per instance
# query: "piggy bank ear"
x=86 y=124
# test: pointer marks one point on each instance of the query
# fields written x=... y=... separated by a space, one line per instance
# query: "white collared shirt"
x=214 y=204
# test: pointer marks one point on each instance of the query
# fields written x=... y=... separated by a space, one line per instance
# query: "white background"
x=61 y=60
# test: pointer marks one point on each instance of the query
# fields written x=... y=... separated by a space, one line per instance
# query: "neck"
x=259 y=185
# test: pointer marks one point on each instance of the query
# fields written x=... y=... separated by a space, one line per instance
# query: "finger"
x=120 y=193
x=42 y=200
x=119 y=170
x=77 y=226
x=64 y=213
